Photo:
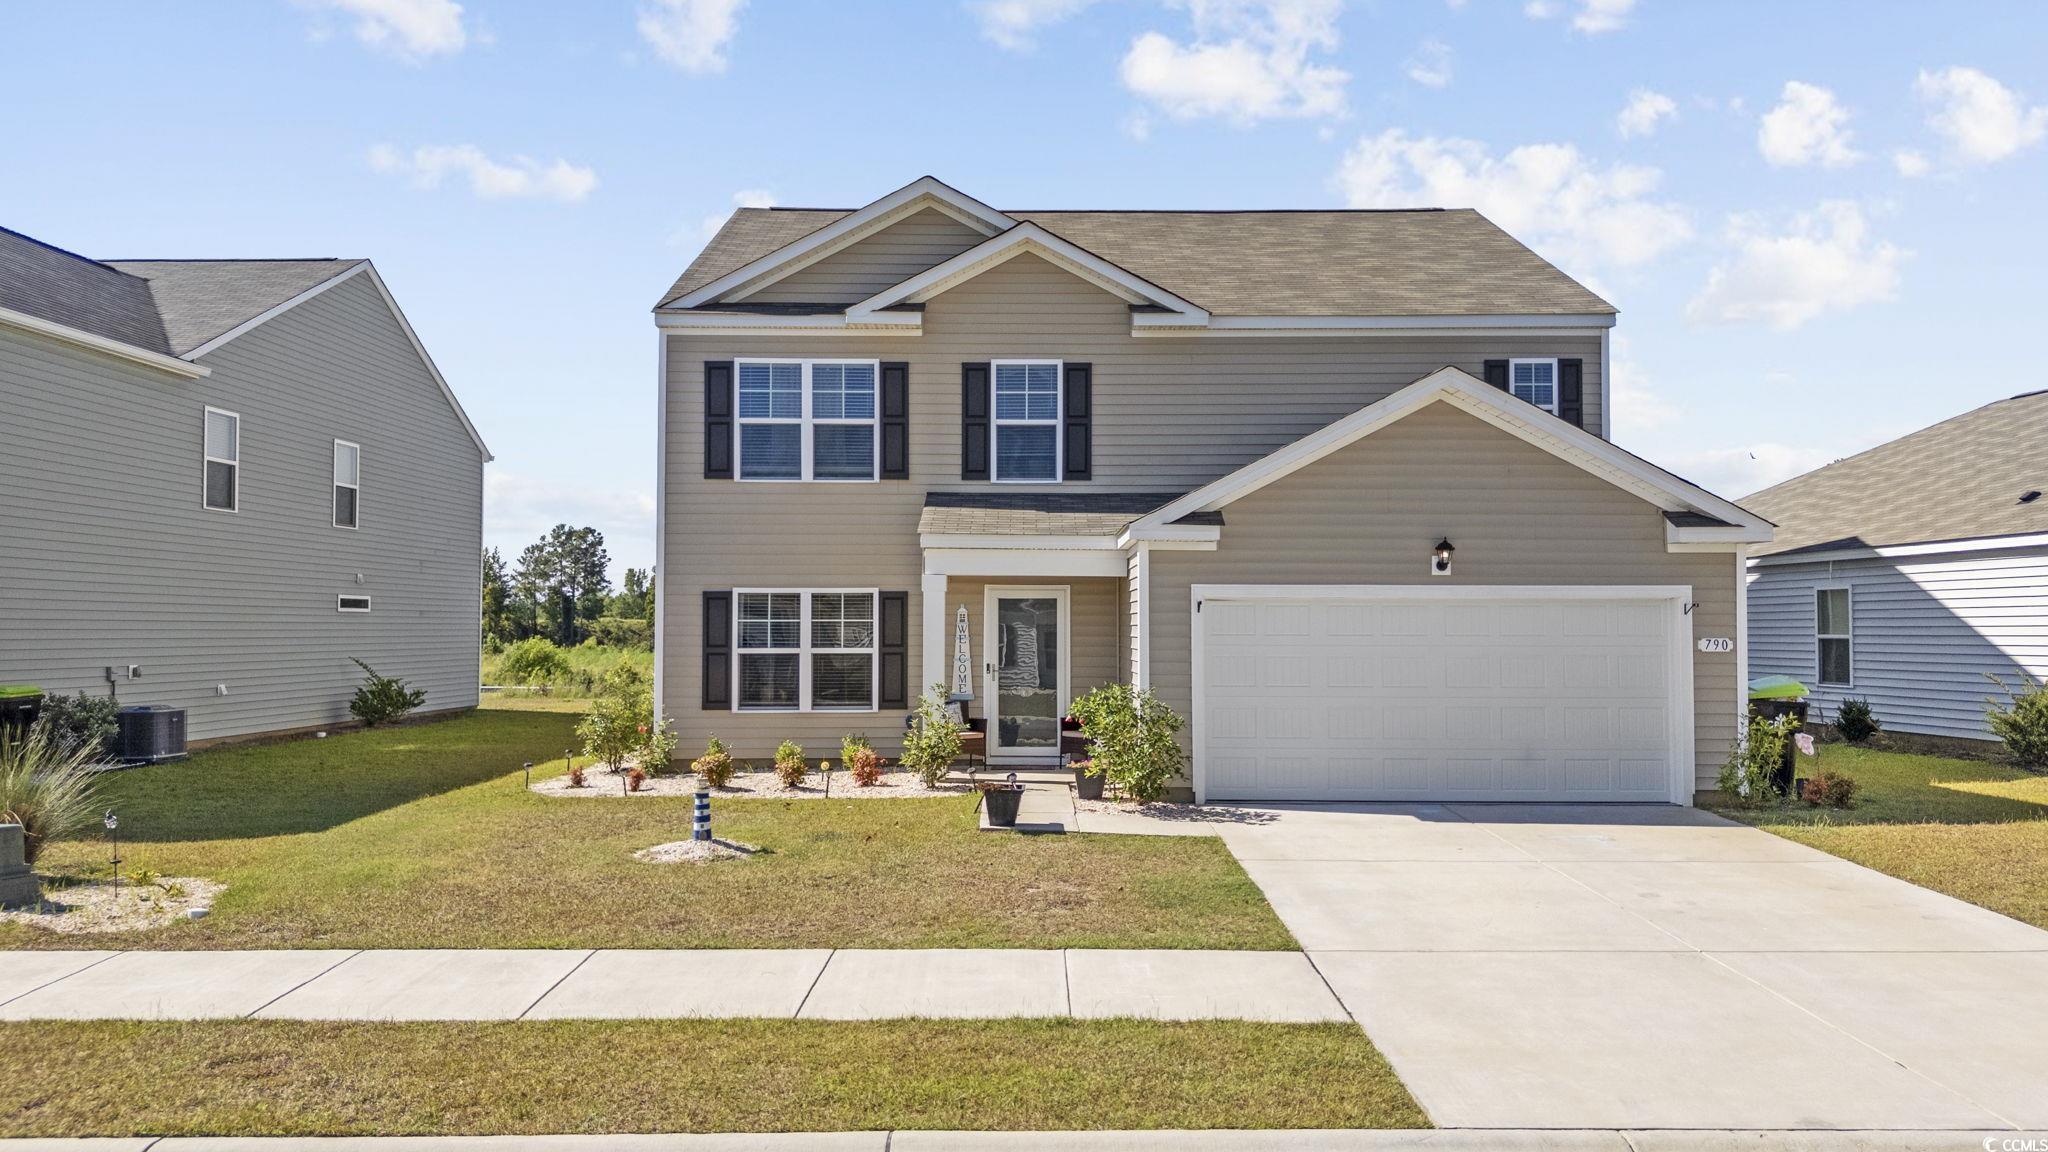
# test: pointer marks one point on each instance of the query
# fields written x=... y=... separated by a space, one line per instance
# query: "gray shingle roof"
x=1419 y=262
x=65 y=288
x=201 y=299
x=1960 y=479
x=1044 y=513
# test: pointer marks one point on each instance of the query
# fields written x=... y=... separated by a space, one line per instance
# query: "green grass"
x=1977 y=831
x=424 y=836
x=587 y=665
x=249 y=1078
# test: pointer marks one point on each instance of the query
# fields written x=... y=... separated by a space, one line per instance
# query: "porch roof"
x=1023 y=514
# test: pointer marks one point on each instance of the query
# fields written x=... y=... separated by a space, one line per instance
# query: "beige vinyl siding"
x=882 y=260
x=108 y=557
x=1370 y=513
x=1171 y=413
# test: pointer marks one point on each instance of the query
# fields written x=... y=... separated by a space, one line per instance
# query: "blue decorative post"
x=700 y=828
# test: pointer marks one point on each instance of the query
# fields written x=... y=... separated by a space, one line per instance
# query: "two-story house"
x=222 y=479
x=1335 y=485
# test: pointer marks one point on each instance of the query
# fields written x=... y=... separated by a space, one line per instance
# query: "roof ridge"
x=235 y=260
x=67 y=252
x=1153 y=211
x=1894 y=442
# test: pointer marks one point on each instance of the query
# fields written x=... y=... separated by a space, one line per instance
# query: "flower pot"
x=1087 y=785
x=1001 y=801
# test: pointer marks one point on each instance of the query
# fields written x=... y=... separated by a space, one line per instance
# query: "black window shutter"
x=717 y=649
x=718 y=419
x=895 y=420
x=895 y=650
x=974 y=399
x=1497 y=374
x=1571 y=392
x=1078 y=410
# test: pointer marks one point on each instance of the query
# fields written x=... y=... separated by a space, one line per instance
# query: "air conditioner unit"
x=150 y=733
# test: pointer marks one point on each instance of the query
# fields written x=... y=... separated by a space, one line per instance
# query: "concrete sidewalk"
x=549 y=984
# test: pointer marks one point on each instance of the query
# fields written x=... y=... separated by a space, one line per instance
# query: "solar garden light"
x=529 y=773
x=700 y=825
x=113 y=824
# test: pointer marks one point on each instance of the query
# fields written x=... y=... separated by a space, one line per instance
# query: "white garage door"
x=1439 y=699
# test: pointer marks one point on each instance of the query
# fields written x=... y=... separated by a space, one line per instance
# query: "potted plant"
x=1087 y=780
x=1002 y=799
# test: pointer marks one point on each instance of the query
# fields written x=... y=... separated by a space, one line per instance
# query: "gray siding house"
x=1023 y=454
x=234 y=475
x=1910 y=574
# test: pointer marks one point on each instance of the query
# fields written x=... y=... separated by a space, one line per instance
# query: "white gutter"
x=116 y=348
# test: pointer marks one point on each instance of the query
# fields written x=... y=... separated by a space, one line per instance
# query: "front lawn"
x=425 y=836
x=261 y=1078
x=1974 y=830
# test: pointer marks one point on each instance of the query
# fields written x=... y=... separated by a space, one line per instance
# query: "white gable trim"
x=1167 y=324
x=1460 y=390
x=1036 y=240
x=360 y=267
x=924 y=192
x=97 y=343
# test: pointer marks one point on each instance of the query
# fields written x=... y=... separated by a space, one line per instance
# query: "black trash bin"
x=20 y=704
x=1771 y=710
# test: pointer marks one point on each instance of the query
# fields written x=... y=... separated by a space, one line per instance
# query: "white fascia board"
x=1461 y=390
x=102 y=344
x=1889 y=551
x=1015 y=563
x=1586 y=323
x=1200 y=537
x=1037 y=240
x=1017 y=543
x=1717 y=536
x=848 y=229
x=815 y=324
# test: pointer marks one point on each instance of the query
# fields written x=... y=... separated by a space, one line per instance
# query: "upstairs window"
x=223 y=460
x=1534 y=381
x=348 y=482
x=807 y=419
x=1832 y=637
x=1027 y=420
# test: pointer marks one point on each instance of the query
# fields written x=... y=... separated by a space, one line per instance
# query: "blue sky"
x=1821 y=222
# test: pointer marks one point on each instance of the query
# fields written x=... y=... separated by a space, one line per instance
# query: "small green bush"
x=534 y=660
x=1136 y=739
x=789 y=764
x=714 y=767
x=933 y=741
x=380 y=698
x=48 y=787
x=2022 y=721
x=1747 y=776
x=81 y=721
x=1855 y=722
x=861 y=760
x=620 y=725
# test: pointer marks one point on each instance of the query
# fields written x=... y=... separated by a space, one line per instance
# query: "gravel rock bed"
x=695 y=852
x=750 y=786
x=1180 y=813
x=98 y=906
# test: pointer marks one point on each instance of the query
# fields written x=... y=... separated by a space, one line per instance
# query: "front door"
x=1025 y=641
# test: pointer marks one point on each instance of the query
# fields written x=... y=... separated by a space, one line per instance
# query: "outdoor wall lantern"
x=1440 y=558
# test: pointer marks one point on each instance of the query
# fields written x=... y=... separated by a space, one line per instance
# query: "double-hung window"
x=348 y=482
x=805 y=651
x=1027 y=420
x=807 y=419
x=1832 y=637
x=223 y=460
x=1534 y=381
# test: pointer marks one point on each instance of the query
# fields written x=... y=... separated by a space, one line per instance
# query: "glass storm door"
x=1025 y=679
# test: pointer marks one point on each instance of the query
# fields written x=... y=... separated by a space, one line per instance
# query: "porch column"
x=936 y=633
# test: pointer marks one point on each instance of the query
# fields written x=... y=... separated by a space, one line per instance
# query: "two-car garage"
x=1458 y=692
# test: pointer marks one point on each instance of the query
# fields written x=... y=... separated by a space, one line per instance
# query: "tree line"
x=559 y=589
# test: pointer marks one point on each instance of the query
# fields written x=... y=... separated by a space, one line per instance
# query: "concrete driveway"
x=1560 y=966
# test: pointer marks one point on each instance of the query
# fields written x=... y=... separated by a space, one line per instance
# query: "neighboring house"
x=233 y=475
x=1910 y=574
x=1208 y=453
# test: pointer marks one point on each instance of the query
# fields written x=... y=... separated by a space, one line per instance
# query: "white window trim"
x=1556 y=385
x=1058 y=422
x=356 y=487
x=1848 y=637
x=804 y=651
x=341 y=606
x=806 y=421
x=208 y=458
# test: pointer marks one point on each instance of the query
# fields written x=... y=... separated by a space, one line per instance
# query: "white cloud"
x=1982 y=120
x=1825 y=261
x=519 y=509
x=691 y=34
x=1808 y=126
x=1639 y=408
x=1592 y=18
x=1548 y=195
x=1644 y=111
x=1013 y=24
x=1431 y=64
x=1910 y=163
x=1249 y=60
x=408 y=29
x=519 y=177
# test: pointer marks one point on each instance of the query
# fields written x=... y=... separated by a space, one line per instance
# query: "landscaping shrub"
x=933 y=741
x=1746 y=777
x=657 y=751
x=861 y=760
x=534 y=660
x=380 y=698
x=789 y=764
x=1832 y=788
x=81 y=721
x=635 y=780
x=1136 y=745
x=48 y=787
x=617 y=725
x=2022 y=721
x=714 y=767
x=576 y=772
x=1855 y=722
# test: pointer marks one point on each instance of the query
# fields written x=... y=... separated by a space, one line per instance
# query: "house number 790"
x=1716 y=644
